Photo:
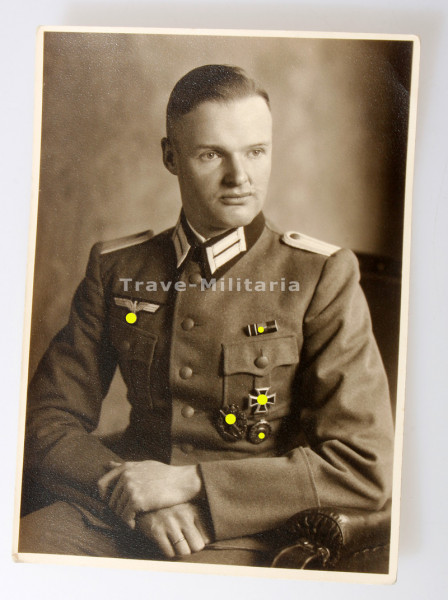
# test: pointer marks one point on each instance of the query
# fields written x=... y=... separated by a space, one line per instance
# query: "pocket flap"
x=243 y=357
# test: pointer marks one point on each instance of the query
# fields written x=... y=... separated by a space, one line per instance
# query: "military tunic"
x=189 y=356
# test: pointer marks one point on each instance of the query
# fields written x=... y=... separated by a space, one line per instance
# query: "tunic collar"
x=217 y=252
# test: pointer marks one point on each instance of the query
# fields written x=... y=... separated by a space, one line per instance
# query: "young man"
x=256 y=386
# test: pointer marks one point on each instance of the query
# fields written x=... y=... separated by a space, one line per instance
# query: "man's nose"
x=235 y=174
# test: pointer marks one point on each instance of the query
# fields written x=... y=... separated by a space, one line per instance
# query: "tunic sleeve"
x=66 y=394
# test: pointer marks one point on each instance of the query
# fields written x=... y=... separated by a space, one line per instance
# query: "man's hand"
x=178 y=530
x=148 y=486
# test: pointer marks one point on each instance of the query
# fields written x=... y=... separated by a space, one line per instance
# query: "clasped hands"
x=158 y=499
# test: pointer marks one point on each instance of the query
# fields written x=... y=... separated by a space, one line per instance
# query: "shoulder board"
x=126 y=242
x=306 y=242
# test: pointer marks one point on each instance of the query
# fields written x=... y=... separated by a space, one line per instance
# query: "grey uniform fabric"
x=331 y=441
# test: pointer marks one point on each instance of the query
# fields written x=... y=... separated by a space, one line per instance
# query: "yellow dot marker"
x=230 y=419
x=260 y=329
x=131 y=318
x=261 y=435
x=262 y=399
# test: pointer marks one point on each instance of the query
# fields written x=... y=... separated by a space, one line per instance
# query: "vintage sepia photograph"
x=215 y=340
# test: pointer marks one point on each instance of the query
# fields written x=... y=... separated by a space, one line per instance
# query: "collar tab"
x=218 y=251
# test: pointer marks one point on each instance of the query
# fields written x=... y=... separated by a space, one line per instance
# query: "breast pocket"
x=259 y=364
x=135 y=348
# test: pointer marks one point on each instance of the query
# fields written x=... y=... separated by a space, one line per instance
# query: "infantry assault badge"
x=232 y=423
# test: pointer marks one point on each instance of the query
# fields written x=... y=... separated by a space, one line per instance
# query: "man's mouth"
x=235 y=199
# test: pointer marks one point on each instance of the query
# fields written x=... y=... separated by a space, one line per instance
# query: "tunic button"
x=187 y=324
x=187 y=448
x=261 y=362
x=187 y=412
x=195 y=278
x=186 y=372
x=125 y=345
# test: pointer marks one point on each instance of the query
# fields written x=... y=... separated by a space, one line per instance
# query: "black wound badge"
x=259 y=432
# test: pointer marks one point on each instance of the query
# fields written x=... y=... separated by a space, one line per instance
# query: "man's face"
x=221 y=154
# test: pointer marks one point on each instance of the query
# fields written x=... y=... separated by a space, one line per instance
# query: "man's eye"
x=256 y=152
x=207 y=156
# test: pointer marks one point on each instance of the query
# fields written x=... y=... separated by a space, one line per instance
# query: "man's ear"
x=169 y=159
